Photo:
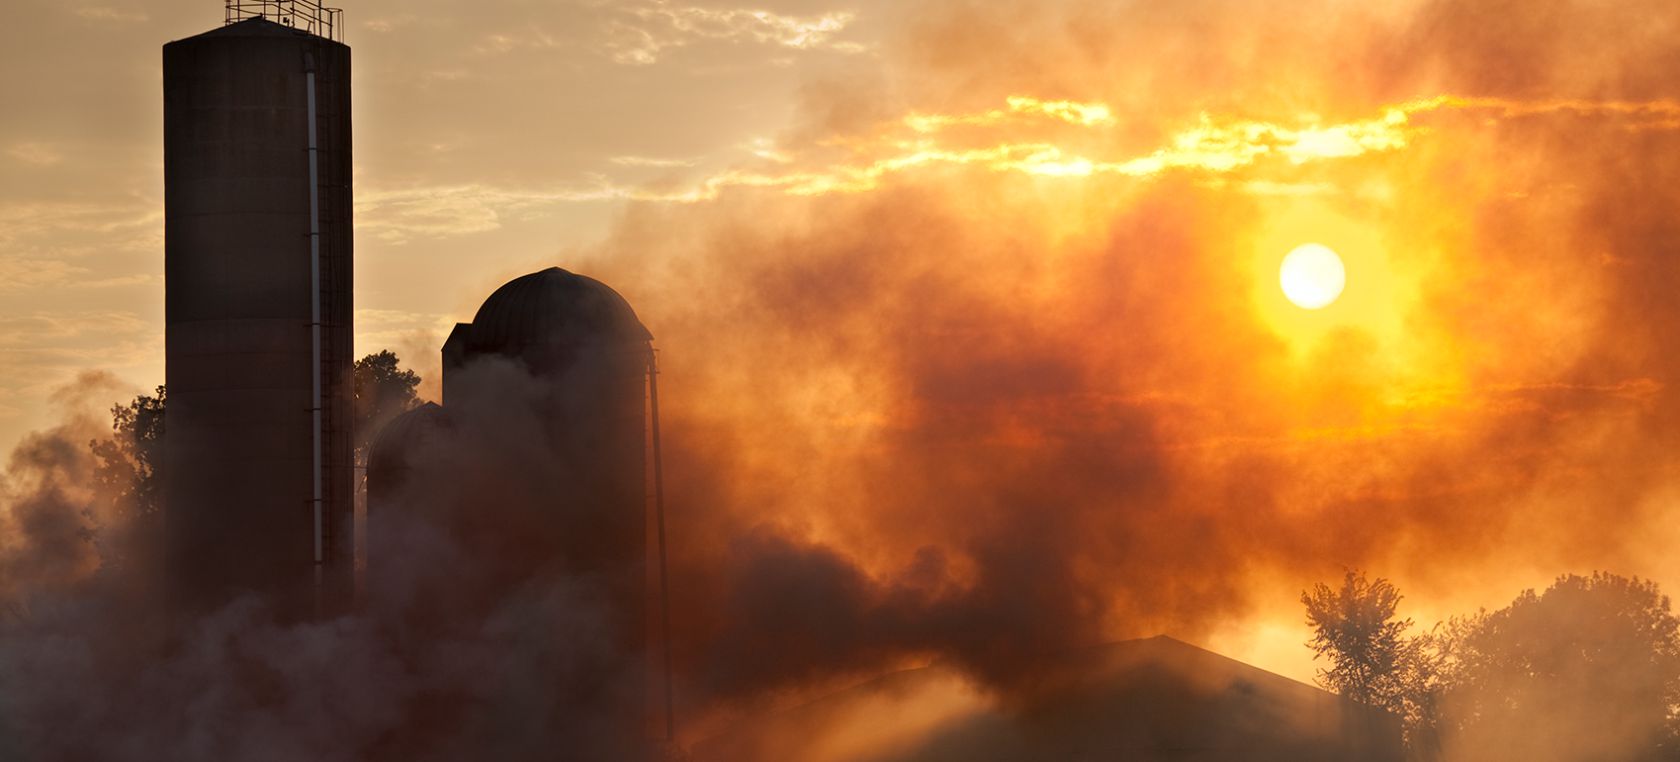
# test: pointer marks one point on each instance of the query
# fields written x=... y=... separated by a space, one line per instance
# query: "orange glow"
x=981 y=305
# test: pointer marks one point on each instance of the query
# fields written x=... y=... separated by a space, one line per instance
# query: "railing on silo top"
x=311 y=17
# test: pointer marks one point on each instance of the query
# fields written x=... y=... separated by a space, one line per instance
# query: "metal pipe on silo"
x=659 y=523
x=314 y=314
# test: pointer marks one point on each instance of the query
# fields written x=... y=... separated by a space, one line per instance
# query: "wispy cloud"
x=39 y=350
x=1660 y=112
x=1072 y=112
x=383 y=329
x=652 y=161
x=37 y=154
x=1221 y=149
x=642 y=34
x=1221 y=146
x=1211 y=145
x=18 y=273
x=385 y=24
x=396 y=216
x=126 y=216
x=18 y=331
x=107 y=13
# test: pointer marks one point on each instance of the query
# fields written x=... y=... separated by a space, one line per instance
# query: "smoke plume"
x=954 y=410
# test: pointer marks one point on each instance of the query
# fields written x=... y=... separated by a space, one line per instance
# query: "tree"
x=130 y=462
x=1355 y=628
x=383 y=390
x=128 y=468
x=1588 y=669
x=1372 y=661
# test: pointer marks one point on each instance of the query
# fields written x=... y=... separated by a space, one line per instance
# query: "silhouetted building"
x=537 y=463
x=397 y=450
x=1152 y=700
x=257 y=261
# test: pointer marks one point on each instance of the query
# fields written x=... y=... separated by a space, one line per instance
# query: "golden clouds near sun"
x=1312 y=276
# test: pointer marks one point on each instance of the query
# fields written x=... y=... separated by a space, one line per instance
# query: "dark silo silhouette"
x=545 y=398
x=583 y=342
x=257 y=260
x=539 y=459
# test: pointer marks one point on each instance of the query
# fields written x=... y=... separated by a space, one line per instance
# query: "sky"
x=969 y=285
x=489 y=138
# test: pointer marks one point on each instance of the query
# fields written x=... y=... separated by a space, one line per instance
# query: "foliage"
x=1355 y=628
x=1588 y=669
x=1372 y=661
x=128 y=468
x=130 y=463
x=383 y=389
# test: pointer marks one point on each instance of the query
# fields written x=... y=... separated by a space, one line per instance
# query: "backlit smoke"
x=975 y=391
x=444 y=662
x=983 y=416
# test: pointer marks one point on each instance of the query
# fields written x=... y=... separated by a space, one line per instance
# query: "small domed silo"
x=589 y=355
x=550 y=321
x=547 y=397
x=404 y=445
x=404 y=459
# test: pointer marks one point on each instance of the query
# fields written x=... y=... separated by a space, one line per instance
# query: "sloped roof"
x=256 y=26
x=1151 y=699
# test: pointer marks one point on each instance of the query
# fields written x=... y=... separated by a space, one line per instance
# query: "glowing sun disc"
x=1312 y=276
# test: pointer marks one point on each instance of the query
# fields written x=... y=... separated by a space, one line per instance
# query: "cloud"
x=1083 y=114
x=46 y=327
x=651 y=161
x=39 y=351
x=46 y=219
x=641 y=34
x=21 y=274
x=414 y=336
x=1213 y=146
x=39 y=154
x=108 y=14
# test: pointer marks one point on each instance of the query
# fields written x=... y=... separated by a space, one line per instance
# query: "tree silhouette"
x=1355 y=628
x=1588 y=669
x=1372 y=661
x=383 y=389
x=128 y=469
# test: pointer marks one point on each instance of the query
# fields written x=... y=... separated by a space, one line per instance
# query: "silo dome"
x=392 y=453
x=553 y=308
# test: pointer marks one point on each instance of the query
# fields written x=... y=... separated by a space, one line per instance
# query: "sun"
x=1312 y=276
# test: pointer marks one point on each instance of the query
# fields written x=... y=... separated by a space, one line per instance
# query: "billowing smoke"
x=983 y=416
x=445 y=660
x=980 y=414
x=56 y=507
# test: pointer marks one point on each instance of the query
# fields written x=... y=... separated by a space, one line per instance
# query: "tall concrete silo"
x=257 y=261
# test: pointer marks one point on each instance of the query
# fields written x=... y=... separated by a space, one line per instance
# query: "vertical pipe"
x=315 y=317
x=659 y=520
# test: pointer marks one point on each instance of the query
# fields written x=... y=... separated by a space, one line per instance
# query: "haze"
x=995 y=279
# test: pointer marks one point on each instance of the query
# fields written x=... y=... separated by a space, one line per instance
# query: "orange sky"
x=982 y=276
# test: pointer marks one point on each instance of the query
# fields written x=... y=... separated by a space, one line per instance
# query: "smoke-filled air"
x=985 y=380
